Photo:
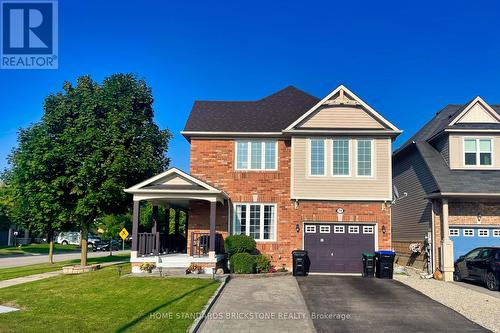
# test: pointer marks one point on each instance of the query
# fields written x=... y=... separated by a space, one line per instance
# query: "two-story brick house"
x=450 y=170
x=290 y=170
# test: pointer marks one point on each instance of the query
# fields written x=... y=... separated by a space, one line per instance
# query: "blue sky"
x=406 y=59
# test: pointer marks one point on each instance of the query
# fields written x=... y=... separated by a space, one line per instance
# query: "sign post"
x=123 y=234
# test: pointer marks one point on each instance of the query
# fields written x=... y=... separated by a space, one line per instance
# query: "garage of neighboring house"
x=466 y=238
x=338 y=247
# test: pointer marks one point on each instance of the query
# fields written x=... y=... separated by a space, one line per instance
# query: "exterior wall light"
x=479 y=216
x=297 y=227
x=384 y=230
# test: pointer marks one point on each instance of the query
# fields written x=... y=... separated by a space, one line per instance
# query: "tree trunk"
x=83 y=244
x=50 y=239
x=111 y=247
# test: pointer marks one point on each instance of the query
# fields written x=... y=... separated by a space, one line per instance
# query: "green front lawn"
x=103 y=302
x=14 y=272
x=37 y=248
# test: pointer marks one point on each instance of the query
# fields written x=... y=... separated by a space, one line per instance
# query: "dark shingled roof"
x=273 y=113
x=440 y=122
x=458 y=181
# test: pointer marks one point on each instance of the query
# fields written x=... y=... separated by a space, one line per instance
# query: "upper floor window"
x=477 y=152
x=364 y=157
x=317 y=157
x=256 y=155
x=340 y=157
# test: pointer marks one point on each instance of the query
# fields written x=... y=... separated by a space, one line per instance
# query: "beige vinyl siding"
x=341 y=117
x=352 y=187
x=457 y=151
x=477 y=114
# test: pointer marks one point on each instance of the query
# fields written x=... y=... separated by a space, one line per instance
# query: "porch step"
x=171 y=271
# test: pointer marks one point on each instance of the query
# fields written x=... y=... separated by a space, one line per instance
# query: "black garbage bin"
x=368 y=265
x=384 y=264
x=300 y=262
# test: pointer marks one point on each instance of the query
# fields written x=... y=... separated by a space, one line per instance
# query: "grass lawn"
x=37 y=248
x=14 y=272
x=103 y=302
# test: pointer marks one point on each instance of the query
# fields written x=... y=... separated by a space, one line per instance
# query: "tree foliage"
x=92 y=142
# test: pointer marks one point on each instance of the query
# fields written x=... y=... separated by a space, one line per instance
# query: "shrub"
x=239 y=244
x=242 y=263
x=262 y=264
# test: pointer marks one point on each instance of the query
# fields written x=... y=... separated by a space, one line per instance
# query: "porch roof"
x=175 y=184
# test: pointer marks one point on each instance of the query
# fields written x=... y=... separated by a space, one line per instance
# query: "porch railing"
x=148 y=242
x=200 y=242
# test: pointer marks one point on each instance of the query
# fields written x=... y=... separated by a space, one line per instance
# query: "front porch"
x=175 y=244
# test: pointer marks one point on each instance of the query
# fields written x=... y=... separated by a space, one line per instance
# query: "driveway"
x=23 y=260
x=356 y=304
x=479 y=287
x=259 y=305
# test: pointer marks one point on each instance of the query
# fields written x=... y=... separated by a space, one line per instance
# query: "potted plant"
x=194 y=269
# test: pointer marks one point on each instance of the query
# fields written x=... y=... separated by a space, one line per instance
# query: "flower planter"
x=77 y=269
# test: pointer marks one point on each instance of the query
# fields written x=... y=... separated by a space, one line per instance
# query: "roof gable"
x=342 y=109
x=477 y=111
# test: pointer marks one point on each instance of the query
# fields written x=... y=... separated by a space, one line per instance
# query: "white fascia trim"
x=192 y=133
x=347 y=131
x=476 y=100
x=461 y=194
x=172 y=191
x=342 y=199
x=464 y=130
x=336 y=90
x=167 y=173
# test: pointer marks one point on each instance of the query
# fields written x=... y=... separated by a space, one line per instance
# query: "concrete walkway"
x=24 y=260
x=41 y=276
x=272 y=304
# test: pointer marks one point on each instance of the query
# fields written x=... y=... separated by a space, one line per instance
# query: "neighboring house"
x=451 y=171
x=290 y=170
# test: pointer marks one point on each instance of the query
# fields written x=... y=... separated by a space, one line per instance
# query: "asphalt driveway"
x=356 y=304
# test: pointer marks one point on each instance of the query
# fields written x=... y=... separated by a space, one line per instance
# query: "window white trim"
x=453 y=232
x=496 y=232
x=478 y=152
x=468 y=232
x=261 y=219
x=368 y=229
x=372 y=157
x=338 y=229
x=324 y=229
x=309 y=156
x=349 y=157
x=310 y=229
x=262 y=155
x=484 y=232
x=353 y=229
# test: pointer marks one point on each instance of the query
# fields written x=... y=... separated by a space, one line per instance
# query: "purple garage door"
x=337 y=248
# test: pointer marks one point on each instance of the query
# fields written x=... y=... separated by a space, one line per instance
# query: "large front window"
x=255 y=220
x=477 y=152
x=256 y=155
x=364 y=157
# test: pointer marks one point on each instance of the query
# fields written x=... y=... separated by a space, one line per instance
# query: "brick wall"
x=213 y=162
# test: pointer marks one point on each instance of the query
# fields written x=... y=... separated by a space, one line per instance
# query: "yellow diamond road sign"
x=124 y=233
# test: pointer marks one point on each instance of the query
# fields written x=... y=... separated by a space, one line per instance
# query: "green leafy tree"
x=6 y=206
x=105 y=139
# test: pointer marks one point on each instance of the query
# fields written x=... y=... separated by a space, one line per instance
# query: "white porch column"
x=211 y=245
x=135 y=229
x=446 y=246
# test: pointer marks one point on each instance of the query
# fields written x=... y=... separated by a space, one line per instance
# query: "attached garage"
x=338 y=247
x=467 y=238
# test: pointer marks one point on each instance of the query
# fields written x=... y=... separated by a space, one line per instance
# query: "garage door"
x=337 y=248
x=466 y=238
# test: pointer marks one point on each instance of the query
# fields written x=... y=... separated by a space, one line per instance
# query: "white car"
x=73 y=237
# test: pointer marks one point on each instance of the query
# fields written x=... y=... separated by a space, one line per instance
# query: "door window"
x=472 y=254
x=484 y=254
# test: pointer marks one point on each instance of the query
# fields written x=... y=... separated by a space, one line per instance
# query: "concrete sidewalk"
x=41 y=276
x=25 y=260
x=273 y=304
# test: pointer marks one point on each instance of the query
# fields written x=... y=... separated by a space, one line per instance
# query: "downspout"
x=433 y=240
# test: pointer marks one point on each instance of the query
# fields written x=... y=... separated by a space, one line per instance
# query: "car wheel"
x=492 y=281
x=64 y=243
x=456 y=275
